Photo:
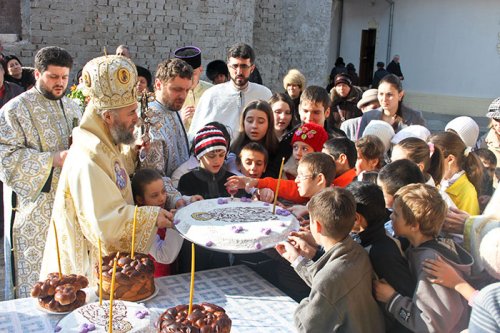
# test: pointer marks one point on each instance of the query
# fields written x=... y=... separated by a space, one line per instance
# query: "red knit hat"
x=208 y=139
x=312 y=134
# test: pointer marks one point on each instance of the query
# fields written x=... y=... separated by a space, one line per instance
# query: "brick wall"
x=10 y=11
x=292 y=34
x=284 y=33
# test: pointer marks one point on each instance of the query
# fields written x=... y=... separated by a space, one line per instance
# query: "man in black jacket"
x=379 y=74
x=394 y=67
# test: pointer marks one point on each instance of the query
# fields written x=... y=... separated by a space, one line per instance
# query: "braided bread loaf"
x=205 y=318
x=134 y=279
x=60 y=294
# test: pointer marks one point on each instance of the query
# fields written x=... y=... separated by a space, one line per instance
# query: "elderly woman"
x=14 y=72
x=345 y=97
x=294 y=83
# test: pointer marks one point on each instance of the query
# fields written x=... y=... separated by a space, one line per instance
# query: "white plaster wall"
x=448 y=48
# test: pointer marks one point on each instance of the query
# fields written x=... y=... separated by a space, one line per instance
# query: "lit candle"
x=111 y=294
x=191 y=287
x=278 y=185
x=133 y=233
x=57 y=250
x=100 y=272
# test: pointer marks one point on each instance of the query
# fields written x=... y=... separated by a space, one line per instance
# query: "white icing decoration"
x=207 y=222
x=124 y=318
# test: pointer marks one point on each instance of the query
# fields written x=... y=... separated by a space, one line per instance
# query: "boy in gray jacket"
x=341 y=279
x=419 y=213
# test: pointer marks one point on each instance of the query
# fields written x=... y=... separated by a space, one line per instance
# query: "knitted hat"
x=343 y=78
x=190 y=54
x=466 y=128
x=489 y=250
x=369 y=96
x=412 y=131
x=382 y=130
x=208 y=139
x=110 y=82
x=294 y=76
x=494 y=109
x=312 y=134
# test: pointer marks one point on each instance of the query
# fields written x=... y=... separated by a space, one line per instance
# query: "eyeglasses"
x=243 y=67
x=304 y=177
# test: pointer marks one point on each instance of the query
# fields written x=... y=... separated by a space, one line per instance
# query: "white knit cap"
x=466 y=128
x=382 y=130
x=489 y=251
x=412 y=131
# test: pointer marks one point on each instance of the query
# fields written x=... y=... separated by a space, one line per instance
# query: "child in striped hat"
x=210 y=149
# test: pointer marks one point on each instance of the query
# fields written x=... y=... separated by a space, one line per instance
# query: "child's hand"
x=304 y=243
x=304 y=223
x=383 y=291
x=266 y=195
x=241 y=182
x=195 y=198
x=306 y=236
x=180 y=203
x=442 y=273
x=455 y=221
x=305 y=227
x=299 y=211
x=165 y=219
x=287 y=251
x=483 y=201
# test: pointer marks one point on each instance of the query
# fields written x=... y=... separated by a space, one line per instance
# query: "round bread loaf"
x=134 y=279
x=60 y=294
x=205 y=318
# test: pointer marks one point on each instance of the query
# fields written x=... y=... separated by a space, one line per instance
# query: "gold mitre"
x=110 y=81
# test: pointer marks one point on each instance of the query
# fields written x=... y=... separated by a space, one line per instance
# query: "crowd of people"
x=399 y=227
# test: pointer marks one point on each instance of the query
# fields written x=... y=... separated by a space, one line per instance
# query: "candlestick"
x=57 y=250
x=111 y=294
x=278 y=185
x=133 y=233
x=191 y=287
x=100 y=272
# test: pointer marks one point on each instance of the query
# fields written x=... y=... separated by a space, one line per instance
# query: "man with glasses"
x=225 y=102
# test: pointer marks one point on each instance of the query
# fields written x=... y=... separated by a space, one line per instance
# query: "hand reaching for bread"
x=165 y=219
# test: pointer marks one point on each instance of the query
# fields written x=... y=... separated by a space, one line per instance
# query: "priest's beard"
x=121 y=134
x=49 y=94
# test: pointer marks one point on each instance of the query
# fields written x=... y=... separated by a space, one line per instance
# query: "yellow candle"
x=278 y=185
x=111 y=294
x=191 y=287
x=133 y=233
x=57 y=250
x=100 y=272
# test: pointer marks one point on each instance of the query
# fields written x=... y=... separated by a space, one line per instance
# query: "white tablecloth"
x=252 y=303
